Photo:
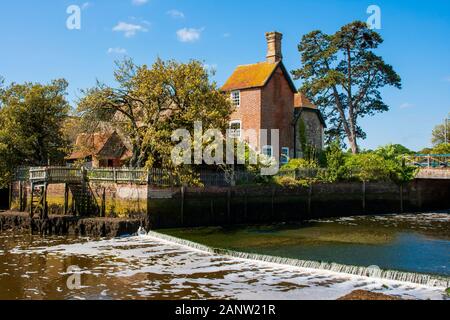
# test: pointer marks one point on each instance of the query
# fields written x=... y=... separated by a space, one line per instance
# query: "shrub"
x=296 y=164
x=367 y=167
x=441 y=149
x=290 y=182
x=335 y=161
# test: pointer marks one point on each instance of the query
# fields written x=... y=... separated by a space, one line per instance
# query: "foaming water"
x=371 y=272
x=155 y=266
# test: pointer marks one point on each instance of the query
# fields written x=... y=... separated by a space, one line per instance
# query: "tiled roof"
x=89 y=145
x=250 y=76
x=301 y=101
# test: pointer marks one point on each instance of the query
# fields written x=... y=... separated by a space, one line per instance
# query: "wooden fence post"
x=310 y=191
x=182 y=205
x=45 y=209
x=32 y=200
x=245 y=206
x=401 y=198
x=229 y=205
x=10 y=196
x=272 y=202
x=66 y=199
x=364 y=196
x=21 y=208
x=103 y=208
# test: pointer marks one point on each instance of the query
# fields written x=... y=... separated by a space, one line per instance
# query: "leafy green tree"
x=335 y=162
x=367 y=167
x=393 y=151
x=439 y=133
x=343 y=76
x=150 y=103
x=441 y=149
x=31 y=120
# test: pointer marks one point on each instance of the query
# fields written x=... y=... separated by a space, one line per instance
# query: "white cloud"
x=129 y=29
x=406 y=105
x=117 y=51
x=176 y=14
x=227 y=35
x=447 y=79
x=189 y=34
x=139 y=2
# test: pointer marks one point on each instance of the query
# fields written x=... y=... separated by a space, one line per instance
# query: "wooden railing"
x=154 y=177
x=139 y=176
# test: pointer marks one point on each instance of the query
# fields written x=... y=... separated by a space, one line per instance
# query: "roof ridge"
x=252 y=64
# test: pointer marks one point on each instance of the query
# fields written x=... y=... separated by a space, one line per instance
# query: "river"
x=149 y=267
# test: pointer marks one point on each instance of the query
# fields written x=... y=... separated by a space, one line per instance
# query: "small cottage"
x=100 y=150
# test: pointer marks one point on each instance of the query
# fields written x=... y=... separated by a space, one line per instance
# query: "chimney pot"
x=274 y=53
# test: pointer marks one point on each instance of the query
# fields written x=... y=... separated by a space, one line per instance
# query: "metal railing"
x=429 y=160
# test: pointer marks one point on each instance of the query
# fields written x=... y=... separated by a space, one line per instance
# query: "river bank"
x=60 y=225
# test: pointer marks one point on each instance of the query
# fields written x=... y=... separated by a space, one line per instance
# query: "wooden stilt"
x=401 y=199
x=66 y=199
x=21 y=209
x=45 y=209
x=364 y=196
x=32 y=201
x=10 y=196
x=310 y=191
x=103 y=209
x=182 y=205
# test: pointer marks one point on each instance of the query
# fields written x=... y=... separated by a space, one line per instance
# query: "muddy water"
x=149 y=268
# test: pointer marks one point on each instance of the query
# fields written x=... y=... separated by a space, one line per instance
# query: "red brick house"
x=265 y=97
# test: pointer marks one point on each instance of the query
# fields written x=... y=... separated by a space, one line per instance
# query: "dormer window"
x=236 y=98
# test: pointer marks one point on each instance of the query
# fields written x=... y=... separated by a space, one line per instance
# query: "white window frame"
x=235 y=133
x=285 y=156
x=235 y=97
x=267 y=148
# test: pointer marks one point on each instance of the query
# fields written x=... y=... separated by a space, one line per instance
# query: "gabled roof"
x=105 y=145
x=301 y=101
x=255 y=76
x=303 y=104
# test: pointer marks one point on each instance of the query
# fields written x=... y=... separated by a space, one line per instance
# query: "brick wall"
x=249 y=113
x=277 y=105
x=268 y=108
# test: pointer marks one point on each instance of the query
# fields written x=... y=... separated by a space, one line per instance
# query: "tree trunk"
x=354 y=146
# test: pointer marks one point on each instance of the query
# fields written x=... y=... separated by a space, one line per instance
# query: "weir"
x=369 y=272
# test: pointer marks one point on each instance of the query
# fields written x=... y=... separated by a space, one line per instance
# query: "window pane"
x=267 y=150
x=284 y=155
x=235 y=130
x=236 y=98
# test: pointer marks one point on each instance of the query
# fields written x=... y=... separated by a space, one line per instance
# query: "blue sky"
x=37 y=46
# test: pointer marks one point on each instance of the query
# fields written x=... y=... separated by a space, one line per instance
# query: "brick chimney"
x=274 y=47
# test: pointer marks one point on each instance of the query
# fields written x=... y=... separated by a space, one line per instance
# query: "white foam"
x=200 y=274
